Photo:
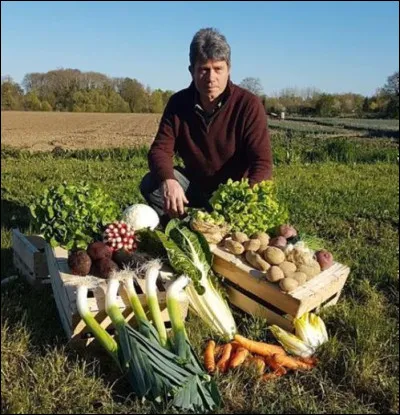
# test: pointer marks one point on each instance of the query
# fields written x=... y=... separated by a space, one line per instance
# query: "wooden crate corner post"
x=29 y=257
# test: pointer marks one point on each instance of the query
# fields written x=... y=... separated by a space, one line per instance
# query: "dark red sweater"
x=234 y=144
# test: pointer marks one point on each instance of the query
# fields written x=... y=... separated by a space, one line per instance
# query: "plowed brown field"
x=39 y=131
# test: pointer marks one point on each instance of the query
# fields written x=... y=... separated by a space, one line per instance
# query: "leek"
x=177 y=323
x=153 y=269
x=291 y=343
x=137 y=366
x=101 y=335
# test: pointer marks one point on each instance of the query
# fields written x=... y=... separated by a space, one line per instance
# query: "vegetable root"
x=262 y=349
x=223 y=362
x=209 y=358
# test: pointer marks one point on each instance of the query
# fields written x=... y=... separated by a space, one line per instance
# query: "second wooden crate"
x=249 y=290
x=64 y=286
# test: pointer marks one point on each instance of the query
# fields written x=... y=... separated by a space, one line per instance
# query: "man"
x=218 y=129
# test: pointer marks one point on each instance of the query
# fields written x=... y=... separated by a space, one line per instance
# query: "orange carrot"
x=273 y=364
x=291 y=362
x=238 y=357
x=209 y=359
x=262 y=349
x=274 y=375
x=223 y=362
x=217 y=350
x=257 y=363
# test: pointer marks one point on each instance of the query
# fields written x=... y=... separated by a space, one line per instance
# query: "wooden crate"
x=29 y=257
x=249 y=290
x=64 y=286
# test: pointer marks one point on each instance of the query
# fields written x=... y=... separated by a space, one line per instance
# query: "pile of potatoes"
x=288 y=268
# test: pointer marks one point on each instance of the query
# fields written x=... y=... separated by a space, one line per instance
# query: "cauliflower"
x=140 y=216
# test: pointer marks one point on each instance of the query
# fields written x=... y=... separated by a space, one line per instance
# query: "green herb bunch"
x=249 y=209
x=72 y=216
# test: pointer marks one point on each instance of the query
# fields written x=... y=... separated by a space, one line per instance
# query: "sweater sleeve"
x=258 y=143
x=161 y=154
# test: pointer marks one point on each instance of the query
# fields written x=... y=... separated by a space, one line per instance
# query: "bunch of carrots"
x=260 y=356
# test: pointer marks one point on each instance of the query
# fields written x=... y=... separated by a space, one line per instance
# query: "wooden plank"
x=327 y=287
x=253 y=308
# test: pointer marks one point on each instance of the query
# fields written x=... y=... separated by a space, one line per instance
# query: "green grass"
x=352 y=207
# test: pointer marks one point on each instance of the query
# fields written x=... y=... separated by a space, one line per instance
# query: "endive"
x=311 y=329
x=291 y=343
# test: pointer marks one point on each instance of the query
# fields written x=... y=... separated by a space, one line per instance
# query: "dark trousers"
x=153 y=193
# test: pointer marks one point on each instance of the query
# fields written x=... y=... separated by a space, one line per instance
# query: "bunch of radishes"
x=119 y=235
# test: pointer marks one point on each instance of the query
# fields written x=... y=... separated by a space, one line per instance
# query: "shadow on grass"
x=14 y=215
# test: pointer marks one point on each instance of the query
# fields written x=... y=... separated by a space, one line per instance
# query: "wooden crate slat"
x=253 y=308
x=29 y=257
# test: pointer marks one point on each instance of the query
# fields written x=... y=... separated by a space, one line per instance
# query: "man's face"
x=210 y=78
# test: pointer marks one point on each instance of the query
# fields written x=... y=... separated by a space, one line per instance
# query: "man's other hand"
x=174 y=198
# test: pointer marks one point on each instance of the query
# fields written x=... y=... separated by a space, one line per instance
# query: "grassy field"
x=343 y=191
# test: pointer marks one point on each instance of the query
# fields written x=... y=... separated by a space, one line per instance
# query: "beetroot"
x=79 y=262
x=103 y=268
x=98 y=250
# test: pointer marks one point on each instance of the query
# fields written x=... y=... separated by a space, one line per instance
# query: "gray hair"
x=209 y=44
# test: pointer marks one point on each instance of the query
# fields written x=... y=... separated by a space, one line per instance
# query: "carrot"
x=309 y=360
x=209 y=359
x=273 y=364
x=217 y=350
x=291 y=362
x=238 y=357
x=262 y=349
x=274 y=375
x=223 y=362
x=257 y=363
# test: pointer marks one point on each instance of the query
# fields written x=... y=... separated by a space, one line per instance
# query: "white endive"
x=311 y=329
x=291 y=343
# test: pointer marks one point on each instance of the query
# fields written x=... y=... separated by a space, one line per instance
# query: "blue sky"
x=332 y=46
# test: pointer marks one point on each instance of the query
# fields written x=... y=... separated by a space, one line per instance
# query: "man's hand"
x=174 y=198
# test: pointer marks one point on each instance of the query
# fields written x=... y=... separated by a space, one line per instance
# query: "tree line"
x=75 y=91
x=309 y=102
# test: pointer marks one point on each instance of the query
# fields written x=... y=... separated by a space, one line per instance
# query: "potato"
x=234 y=247
x=274 y=256
x=252 y=245
x=288 y=284
x=310 y=271
x=256 y=261
x=287 y=267
x=264 y=240
x=324 y=258
x=300 y=277
x=275 y=274
x=240 y=237
x=287 y=231
x=278 y=242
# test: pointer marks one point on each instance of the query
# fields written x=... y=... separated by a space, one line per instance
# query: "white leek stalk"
x=152 y=273
x=291 y=343
x=99 y=332
x=175 y=315
x=112 y=308
x=134 y=299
